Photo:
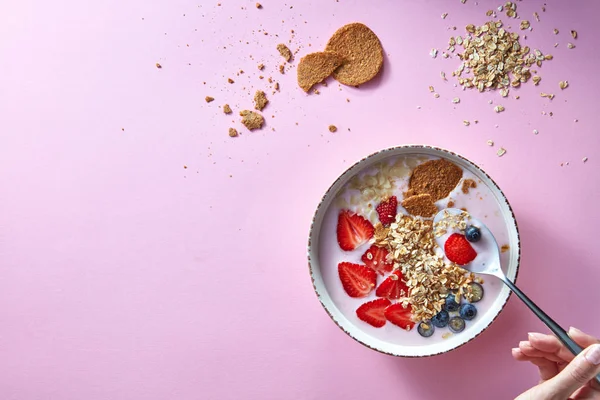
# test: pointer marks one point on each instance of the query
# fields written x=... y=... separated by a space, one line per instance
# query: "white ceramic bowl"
x=358 y=331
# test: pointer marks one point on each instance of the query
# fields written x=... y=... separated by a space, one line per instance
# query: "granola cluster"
x=412 y=248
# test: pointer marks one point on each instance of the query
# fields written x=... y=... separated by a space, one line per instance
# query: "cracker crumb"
x=284 y=51
x=158 y=66
x=456 y=100
x=555 y=31
x=468 y=184
x=421 y=205
x=227 y=109
x=466 y=123
x=260 y=100
x=332 y=128
x=490 y=142
x=276 y=86
x=450 y=204
x=261 y=66
x=258 y=5
x=208 y=99
x=499 y=108
x=233 y=132
x=282 y=68
x=230 y=80
x=574 y=34
x=504 y=248
x=252 y=120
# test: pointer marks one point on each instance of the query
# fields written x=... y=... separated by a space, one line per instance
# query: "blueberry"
x=476 y=292
x=441 y=319
x=456 y=324
x=451 y=304
x=426 y=329
x=473 y=234
x=468 y=311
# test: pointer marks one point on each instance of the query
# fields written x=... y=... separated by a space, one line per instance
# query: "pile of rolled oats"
x=495 y=58
x=412 y=248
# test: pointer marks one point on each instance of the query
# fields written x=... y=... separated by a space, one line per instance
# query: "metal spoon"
x=490 y=265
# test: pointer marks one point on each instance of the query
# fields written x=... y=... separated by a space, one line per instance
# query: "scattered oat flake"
x=504 y=92
x=466 y=123
x=536 y=16
x=456 y=100
x=574 y=34
x=158 y=66
x=490 y=142
x=463 y=1
x=556 y=31
x=584 y=159
x=555 y=44
x=444 y=15
x=548 y=95
x=563 y=84
x=233 y=132
x=433 y=53
x=536 y=79
x=208 y=99
x=436 y=95
x=332 y=128
x=499 y=108
x=501 y=151
x=431 y=89
x=524 y=25
x=443 y=75
x=570 y=45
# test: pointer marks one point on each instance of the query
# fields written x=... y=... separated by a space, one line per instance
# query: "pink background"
x=124 y=275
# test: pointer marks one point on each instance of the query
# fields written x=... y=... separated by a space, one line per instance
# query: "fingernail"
x=524 y=343
x=593 y=354
x=516 y=350
x=534 y=335
x=574 y=330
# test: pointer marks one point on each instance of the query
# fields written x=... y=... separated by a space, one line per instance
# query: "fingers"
x=576 y=374
x=582 y=339
x=550 y=343
x=529 y=350
x=548 y=369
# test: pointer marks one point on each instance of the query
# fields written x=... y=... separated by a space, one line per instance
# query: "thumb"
x=576 y=374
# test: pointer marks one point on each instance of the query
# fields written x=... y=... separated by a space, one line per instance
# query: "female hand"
x=563 y=376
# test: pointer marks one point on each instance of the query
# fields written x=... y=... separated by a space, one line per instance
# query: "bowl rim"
x=415 y=148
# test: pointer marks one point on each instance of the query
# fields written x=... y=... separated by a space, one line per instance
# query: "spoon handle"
x=560 y=333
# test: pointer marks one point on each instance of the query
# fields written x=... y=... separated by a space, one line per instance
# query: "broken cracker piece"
x=285 y=52
x=468 y=184
x=361 y=49
x=260 y=100
x=421 y=205
x=316 y=67
x=252 y=120
x=227 y=109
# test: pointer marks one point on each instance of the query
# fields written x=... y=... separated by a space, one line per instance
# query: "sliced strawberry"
x=376 y=258
x=459 y=250
x=373 y=312
x=400 y=316
x=387 y=210
x=353 y=230
x=358 y=280
x=393 y=287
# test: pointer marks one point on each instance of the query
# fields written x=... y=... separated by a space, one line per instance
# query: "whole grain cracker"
x=285 y=52
x=421 y=205
x=362 y=51
x=316 y=67
x=436 y=177
x=252 y=120
x=260 y=100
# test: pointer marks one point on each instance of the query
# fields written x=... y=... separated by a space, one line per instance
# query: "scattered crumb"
x=252 y=120
x=208 y=99
x=555 y=31
x=227 y=109
x=450 y=204
x=230 y=80
x=468 y=184
x=584 y=159
x=535 y=132
x=501 y=151
x=233 y=132
x=284 y=51
x=261 y=77
x=504 y=248
x=490 y=142
x=570 y=45
x=499 y=108
x=574 y=34
x=282 y=68
x=466 y=123
x=261 y=66
x=536 y=79
x=563 y=85
x=260 y=100
x=258 y=5
x=548 y=95
x=158 y=66
x=276 y=86
x=456 y=100
x=332 y=128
